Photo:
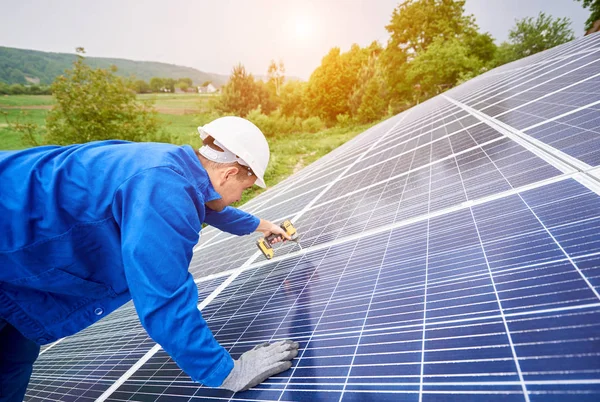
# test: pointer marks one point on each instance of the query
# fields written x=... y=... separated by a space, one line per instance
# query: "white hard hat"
x=242 y=138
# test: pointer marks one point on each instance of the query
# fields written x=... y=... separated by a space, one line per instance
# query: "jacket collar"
x=200 y=177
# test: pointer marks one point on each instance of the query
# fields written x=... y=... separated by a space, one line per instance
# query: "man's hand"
x=260 y=363
x=269 y=228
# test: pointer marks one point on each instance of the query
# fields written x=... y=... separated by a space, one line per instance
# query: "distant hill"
x=20 y=66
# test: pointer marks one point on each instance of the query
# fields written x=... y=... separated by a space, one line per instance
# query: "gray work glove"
x=260 y=363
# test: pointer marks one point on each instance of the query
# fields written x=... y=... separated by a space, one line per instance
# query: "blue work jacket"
x=86 y=228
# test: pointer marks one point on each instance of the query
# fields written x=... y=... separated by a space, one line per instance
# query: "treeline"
x=433 y=46
x=19 y=89
x=158 y=84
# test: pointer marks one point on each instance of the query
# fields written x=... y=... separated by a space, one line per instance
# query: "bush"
x=313 y=124
x=95 y=104
x=17 y=89
x=343 y=120
x=275 y=123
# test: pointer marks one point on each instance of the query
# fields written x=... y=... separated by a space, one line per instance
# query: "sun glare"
x=303 y=28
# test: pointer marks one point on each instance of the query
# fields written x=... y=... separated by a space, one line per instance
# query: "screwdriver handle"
x=272 y=237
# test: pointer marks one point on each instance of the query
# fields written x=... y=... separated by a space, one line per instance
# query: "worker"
x=86 y=228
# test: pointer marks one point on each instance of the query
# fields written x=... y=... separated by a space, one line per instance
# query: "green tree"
x=413 y=28
x=373 y=105
x=141 y=86
x=331 y=84
x=95 y=104
x=531 y=36
x=441 y=66
x=594 y=7
x=504 y=54
x=292 y=99
x=169 y=84
x=183 y=85
x=267 y=100
x=481 y=46
x=188 y=81
x=239 y=95
x=369 y=99
x=156 y=84
x=17 y=89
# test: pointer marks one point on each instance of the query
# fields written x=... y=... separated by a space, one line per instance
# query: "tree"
x=239 y=95
x=17 y=89
x=141 y=86
x=95 y=104
x=183 y=85
x=186 y=80
x=292 y=99
x=413 y=28
x=594 y=7
x=276 y=74
x=481 y=46
x=169 y=84
x=504 y=54
x=441 y=66
x=156 y=84
x=373 y=105
x=531 y=36
x=369 y=99
x=331 y=84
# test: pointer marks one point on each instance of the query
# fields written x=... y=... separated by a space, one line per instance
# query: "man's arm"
x=157 y=213
x=232 y=220
x=238 y=222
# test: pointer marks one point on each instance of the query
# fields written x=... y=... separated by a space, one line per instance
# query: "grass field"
x=25 y=100
x=289 y=153
x=192 y=102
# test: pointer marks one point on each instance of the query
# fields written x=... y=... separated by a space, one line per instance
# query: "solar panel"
x=451 y=252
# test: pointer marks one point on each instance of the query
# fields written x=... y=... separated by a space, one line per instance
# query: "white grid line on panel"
x=341 y=175
x=514 y=75
x=560 y=116
x=331 y=296
x=545 y=61
x=409 y=221
x=426 y=284
x=535 y=77
x=560 y=160
x=585 y=279
x=547 y=94
x=501 y=310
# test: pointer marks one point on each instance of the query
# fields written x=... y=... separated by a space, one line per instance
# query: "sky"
x=215 y=35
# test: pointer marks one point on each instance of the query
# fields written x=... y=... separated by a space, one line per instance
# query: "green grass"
x=198 y=102
x=11 y=139
x=25 y=100
x=182 y=128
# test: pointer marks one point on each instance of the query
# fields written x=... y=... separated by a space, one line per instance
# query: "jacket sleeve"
x=232 y=220
x=157 y=214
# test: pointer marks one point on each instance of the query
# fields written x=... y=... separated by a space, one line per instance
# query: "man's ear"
x=230 y=172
